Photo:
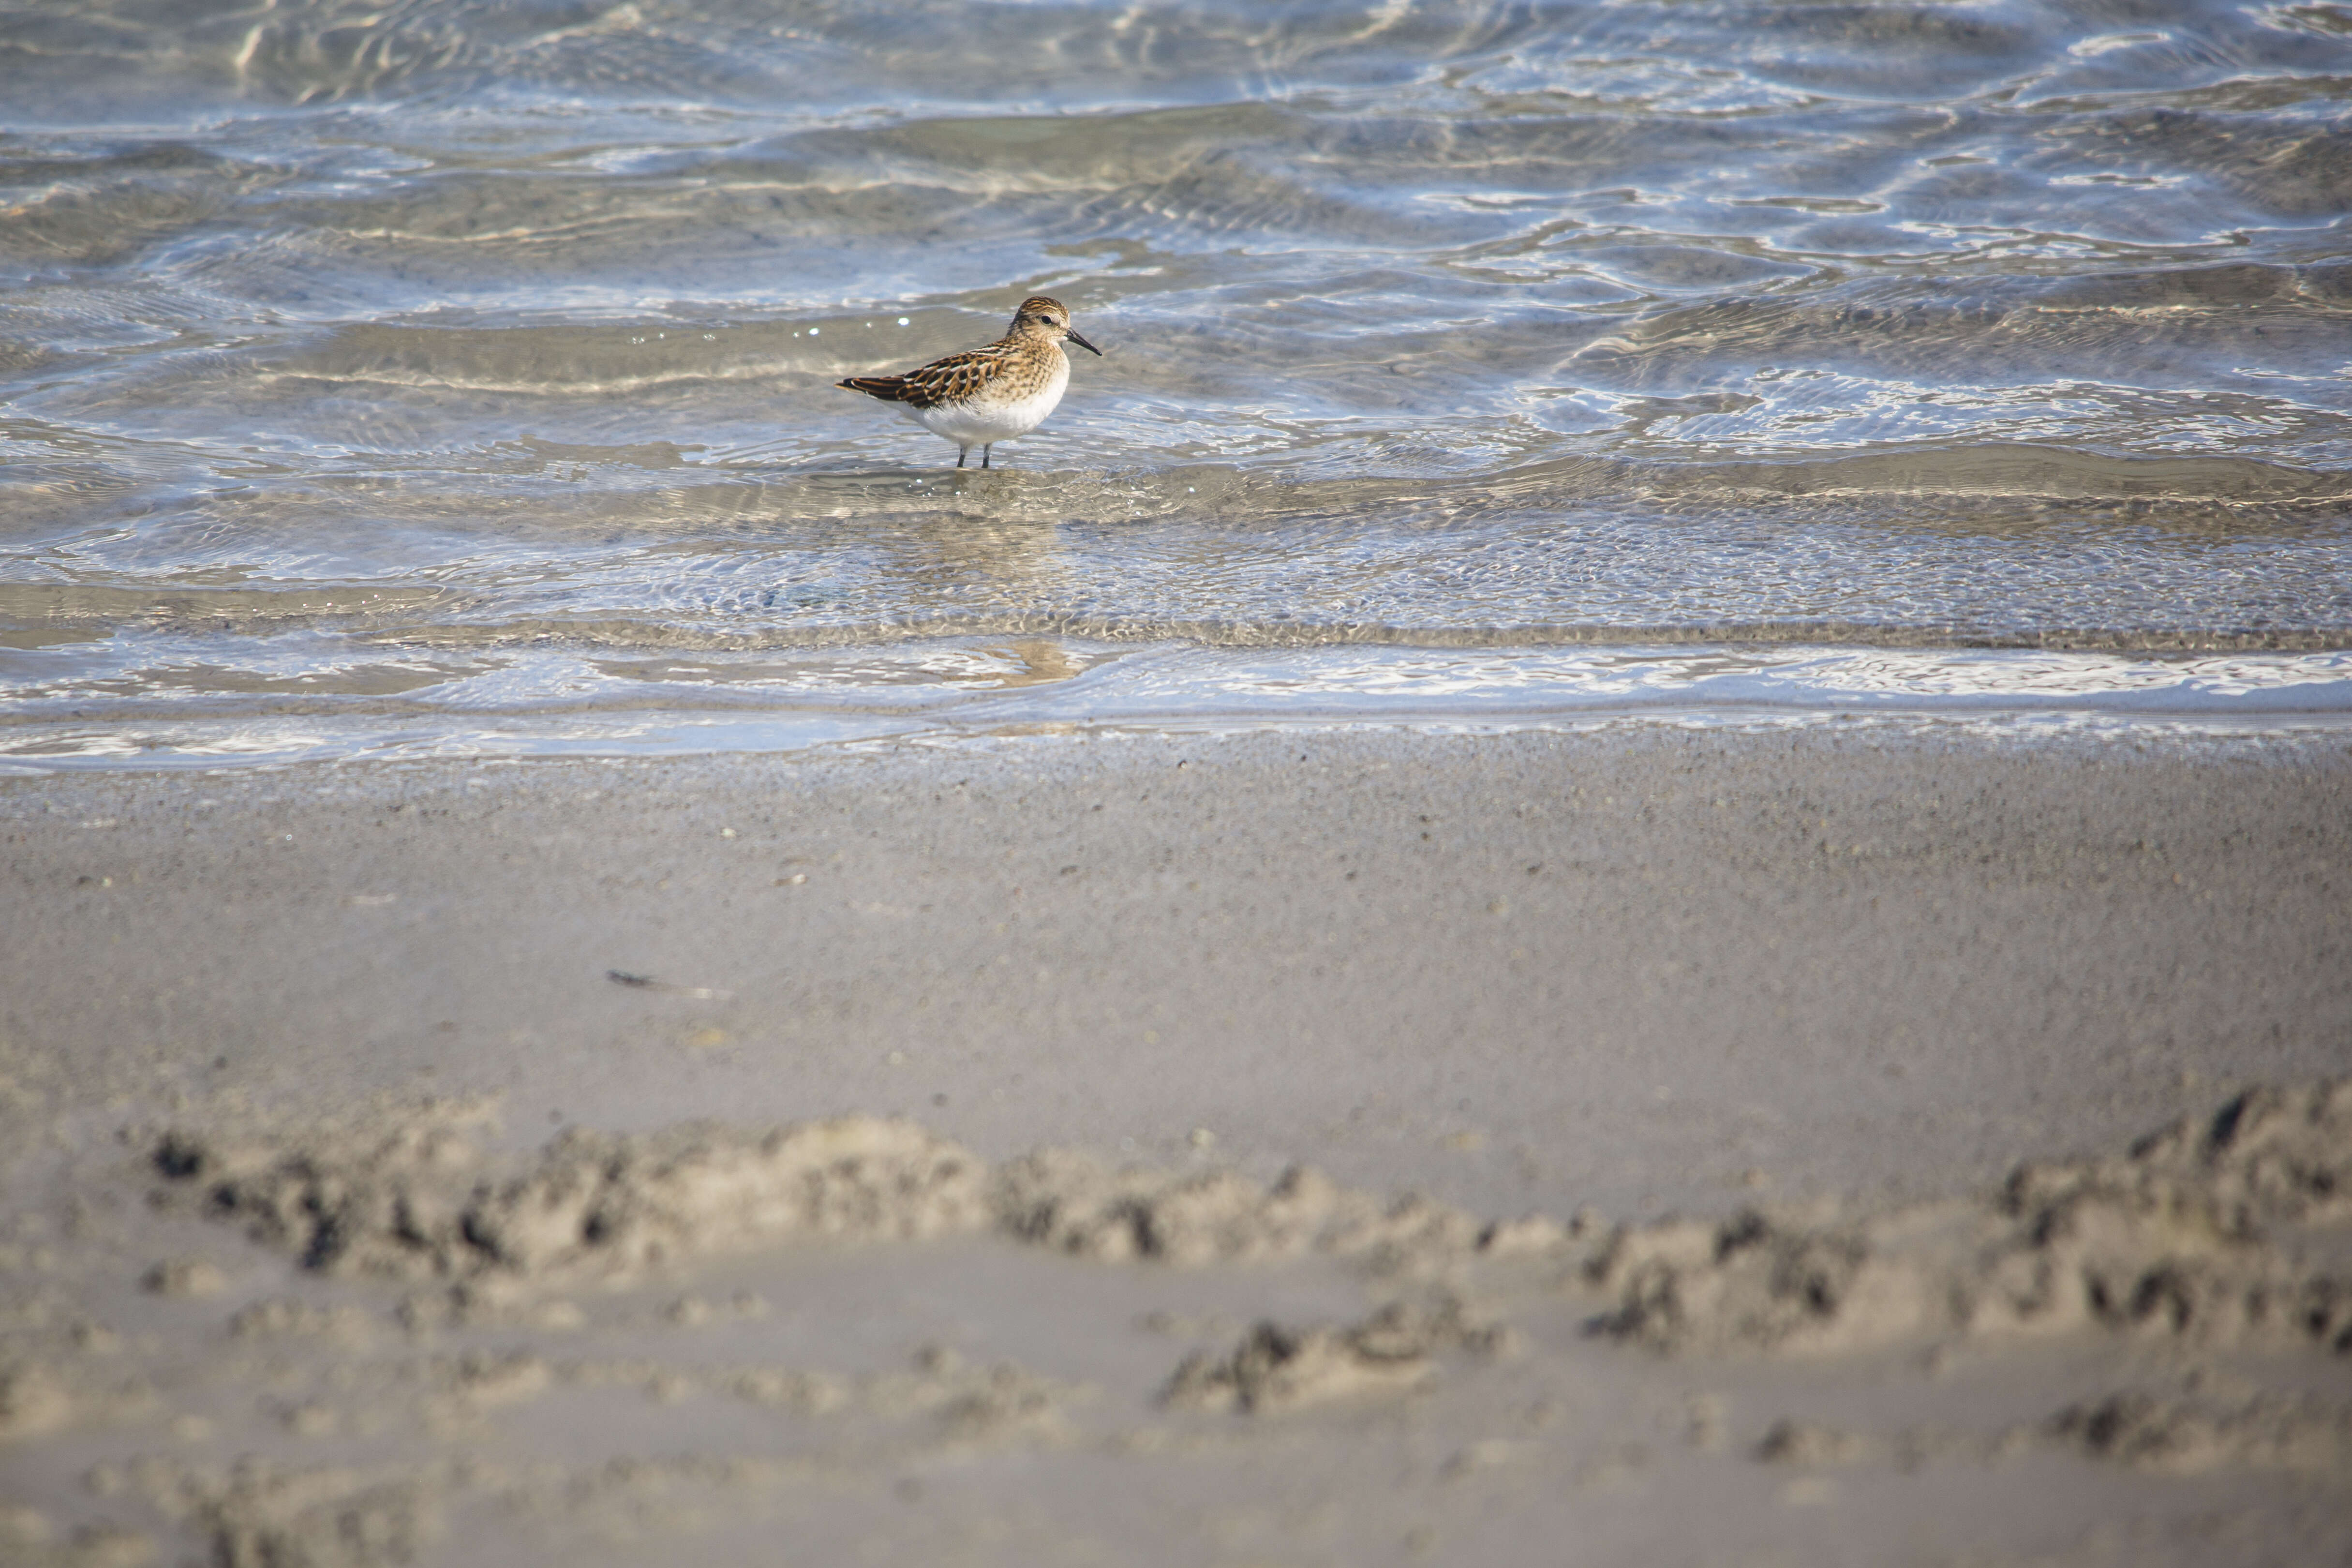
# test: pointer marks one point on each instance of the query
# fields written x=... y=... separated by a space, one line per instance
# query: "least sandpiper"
x=989 y=395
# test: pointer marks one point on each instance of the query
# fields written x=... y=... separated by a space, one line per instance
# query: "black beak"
x=1072 y=333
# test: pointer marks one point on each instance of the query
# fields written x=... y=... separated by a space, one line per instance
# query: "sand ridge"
x=2174 y=1236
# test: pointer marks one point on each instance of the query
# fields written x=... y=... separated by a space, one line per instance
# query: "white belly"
x=981 y=424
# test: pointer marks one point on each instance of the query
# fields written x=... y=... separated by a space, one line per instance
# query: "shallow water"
x=412 y=371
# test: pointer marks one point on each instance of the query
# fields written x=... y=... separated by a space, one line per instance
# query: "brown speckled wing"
x=950 y=380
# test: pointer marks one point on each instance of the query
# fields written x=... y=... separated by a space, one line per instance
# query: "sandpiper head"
x=1051 y=317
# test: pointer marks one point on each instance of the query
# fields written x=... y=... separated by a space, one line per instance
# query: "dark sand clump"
x=2174 y=1238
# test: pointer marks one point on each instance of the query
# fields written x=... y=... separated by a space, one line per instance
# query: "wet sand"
x=304 y=1261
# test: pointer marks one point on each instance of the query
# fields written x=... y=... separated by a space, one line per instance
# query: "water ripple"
x=461 y=328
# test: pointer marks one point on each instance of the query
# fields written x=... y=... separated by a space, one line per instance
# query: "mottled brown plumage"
x=955 y=379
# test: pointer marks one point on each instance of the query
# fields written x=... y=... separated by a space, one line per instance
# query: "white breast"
x=982 y=421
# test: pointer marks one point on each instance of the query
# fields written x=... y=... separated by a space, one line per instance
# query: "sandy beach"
x=1596 y=1146
x=1627 y=842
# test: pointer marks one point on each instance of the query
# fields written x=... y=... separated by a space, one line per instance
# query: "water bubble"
x=902 y=320
x=813 y=332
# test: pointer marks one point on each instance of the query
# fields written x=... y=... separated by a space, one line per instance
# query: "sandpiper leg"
x=984 y=452
x=960 y=452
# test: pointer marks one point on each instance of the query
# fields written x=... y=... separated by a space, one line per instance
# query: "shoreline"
x=689 y=699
